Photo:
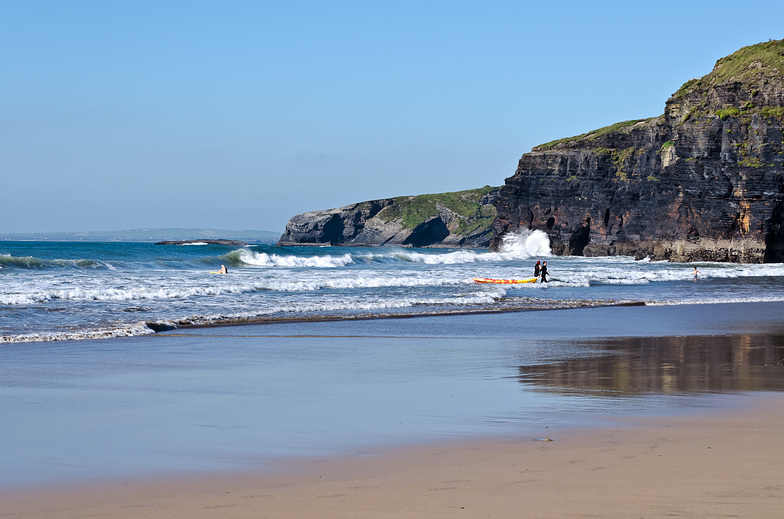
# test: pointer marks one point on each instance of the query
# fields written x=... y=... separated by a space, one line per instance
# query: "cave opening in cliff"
x=774 y=239
x=581 y=236
x=428 y=233
x=333 y=230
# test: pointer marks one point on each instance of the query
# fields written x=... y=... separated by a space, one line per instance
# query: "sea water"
x=82 y=290
x=175 y=397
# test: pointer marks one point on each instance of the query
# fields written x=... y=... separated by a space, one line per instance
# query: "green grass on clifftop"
x=590 y=136
x=412 y=211
x=745 y=66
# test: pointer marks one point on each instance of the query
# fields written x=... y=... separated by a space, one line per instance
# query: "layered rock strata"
x=704 y=181
x=461 y=220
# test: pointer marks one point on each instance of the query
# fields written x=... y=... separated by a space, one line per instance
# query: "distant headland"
x=459 y=219
x=150 y=235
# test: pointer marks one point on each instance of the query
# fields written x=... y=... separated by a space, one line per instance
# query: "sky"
x=241 y=114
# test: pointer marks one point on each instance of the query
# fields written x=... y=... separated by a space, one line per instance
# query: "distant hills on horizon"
x=147 y=235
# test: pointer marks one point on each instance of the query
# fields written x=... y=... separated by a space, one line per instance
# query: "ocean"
x=126 y=360
x=74 y=290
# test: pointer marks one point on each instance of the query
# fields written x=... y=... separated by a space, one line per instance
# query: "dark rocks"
x=344 y=226
x=704 y=181
x=459 y=219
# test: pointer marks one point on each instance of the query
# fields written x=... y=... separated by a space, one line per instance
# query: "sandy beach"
x=718 y=464
x=479 y=416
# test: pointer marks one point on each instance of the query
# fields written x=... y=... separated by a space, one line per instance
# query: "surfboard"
x=216 y=272
x=505 y=281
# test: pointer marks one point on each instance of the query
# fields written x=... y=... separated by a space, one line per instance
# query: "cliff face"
x=704 y=181
x=460 y=219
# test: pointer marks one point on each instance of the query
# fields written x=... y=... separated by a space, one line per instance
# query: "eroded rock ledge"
x=704 y=181
x=460 y=219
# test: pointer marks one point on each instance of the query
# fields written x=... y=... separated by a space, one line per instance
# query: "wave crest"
x=31 y=262
x=263 y=259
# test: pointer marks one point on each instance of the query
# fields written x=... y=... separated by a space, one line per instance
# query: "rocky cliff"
x=459 y=219
x=704 y=181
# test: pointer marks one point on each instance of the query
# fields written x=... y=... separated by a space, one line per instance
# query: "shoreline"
x=725 y=461
x=158 y=327
x=169 y=328
x=261 y=321
x=684 y=319
x=556 y=305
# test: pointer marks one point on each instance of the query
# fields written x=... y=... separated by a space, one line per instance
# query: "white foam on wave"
x=262 y=259
x=442 y=258
x=184 y=287
x=327 y=306
x=359 y=281
x=627 y=271
x=101 y=293
x=516 y=246
x=521 y=245
x=718 y=301
x=567 y=273
x=128 y=330
x=526 y=243
x=22 y=299
x=735 y=270
x=288 y=309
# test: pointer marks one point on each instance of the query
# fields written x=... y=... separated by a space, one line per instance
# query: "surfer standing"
x=544 y=272
x=537 y=268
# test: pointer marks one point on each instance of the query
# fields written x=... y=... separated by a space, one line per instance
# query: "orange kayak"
x=505 y=281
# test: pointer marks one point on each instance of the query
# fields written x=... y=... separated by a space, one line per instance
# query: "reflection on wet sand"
x=667 y=365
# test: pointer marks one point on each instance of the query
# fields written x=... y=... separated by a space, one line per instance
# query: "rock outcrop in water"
x=704 y=181
x=232 y=243
x=459 y=219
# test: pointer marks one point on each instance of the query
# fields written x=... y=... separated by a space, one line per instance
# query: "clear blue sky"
x=240 y=114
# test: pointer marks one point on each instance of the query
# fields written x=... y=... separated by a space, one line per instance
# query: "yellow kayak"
x=505 y=281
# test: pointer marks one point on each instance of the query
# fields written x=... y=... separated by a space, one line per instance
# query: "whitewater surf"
x=74 y=290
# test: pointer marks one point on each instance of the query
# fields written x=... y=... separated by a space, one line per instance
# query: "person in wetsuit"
x=543 y=272
x=537 y=268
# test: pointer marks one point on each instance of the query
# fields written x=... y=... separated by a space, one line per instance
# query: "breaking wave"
x=263 y=259
x=526 y=244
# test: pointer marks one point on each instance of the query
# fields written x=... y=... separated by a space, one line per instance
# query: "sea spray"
x=526 y=244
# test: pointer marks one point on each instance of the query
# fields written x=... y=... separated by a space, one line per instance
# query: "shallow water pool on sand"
x=244 y=396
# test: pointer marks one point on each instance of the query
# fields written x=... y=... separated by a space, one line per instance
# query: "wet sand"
x=480 y=416
x=719 y=464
